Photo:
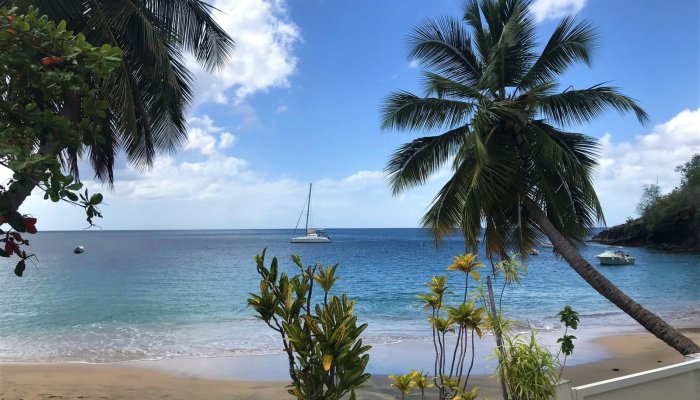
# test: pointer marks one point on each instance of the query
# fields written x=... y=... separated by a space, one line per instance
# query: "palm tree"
x=502 y=120
x=149 y=93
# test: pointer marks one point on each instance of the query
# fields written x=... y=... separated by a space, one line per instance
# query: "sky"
x=299 y=103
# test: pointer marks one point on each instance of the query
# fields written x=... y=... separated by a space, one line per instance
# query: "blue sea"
x=148 y=295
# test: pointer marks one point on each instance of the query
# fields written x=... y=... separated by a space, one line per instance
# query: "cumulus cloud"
x=203 y=136
x=626 y=166
x=263 y=58
x=554 y=9
x=224 y=192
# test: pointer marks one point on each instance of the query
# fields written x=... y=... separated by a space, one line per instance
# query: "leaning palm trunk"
x=650 y=321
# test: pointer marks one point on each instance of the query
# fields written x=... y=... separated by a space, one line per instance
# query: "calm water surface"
x=160 y=294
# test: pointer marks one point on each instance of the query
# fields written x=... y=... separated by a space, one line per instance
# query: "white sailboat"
x=312 y=235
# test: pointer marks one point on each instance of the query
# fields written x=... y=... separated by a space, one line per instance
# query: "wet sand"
x=623 y=354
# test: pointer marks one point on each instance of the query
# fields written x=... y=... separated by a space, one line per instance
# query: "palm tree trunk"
x=499 y=337
x=650 y=321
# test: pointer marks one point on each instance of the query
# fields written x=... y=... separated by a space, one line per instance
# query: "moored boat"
x=313 y=235
x=78 y=249
x=615 y=256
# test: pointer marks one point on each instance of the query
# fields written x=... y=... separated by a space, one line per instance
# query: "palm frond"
x=414 y=162
x=581 y=106
x=445 y=213
x=569 y=43
x=481 y=36
x=442 y=87
x=513 y=36
x=404 y=110
x=445 y=46
x=191 y=23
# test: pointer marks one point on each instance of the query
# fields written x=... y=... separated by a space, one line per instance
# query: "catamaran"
x=312 y=235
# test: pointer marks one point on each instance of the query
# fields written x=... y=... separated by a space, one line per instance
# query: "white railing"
x=676 y=382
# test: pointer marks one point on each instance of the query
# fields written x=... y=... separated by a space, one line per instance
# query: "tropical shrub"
x=530 y=370
x=454 y=329
x=525 y=369
x=48 y=113
x=321 y=339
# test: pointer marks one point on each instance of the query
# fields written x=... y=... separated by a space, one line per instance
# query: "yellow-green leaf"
x=327 y=361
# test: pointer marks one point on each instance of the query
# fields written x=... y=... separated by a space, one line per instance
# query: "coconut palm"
x=500 y=122
x=149 y=93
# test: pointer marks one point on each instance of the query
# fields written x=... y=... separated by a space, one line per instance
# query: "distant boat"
x=312 y=235
x=533 y=252
x=78 y=249
x=546 y=244
x=615 y=256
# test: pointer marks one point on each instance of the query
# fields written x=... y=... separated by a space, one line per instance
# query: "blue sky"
x=300 y=102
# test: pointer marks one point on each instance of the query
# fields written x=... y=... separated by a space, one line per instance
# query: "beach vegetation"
x=403 y=383
x=143 y=102
x=526 y=369
x=495 y=113
x=530 y=370
x=321 y=339
x=50 y=110
x=454 y=328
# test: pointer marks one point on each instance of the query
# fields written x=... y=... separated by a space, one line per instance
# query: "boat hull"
x=616 y=260
x=311 y=239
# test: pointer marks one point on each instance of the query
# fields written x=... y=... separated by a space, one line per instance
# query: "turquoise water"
x=163 y=294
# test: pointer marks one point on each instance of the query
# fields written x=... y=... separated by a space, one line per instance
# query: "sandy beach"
x=625 y=354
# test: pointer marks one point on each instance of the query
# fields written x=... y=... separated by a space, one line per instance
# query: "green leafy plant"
x=322 y=340
x=526 y=369
x=462 y=321
x=570 y=319
x=530 y=371
x=49 y=112
x=403 y=383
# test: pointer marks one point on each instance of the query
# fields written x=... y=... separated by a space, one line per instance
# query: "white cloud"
x=553 y=9
x=263 y=58
x=202 y=136
x=226 y=140
x=625 y=167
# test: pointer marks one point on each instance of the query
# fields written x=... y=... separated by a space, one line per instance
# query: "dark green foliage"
x=49 y=111
x=668 y=222
x=322 y=340
x=569 y=317
x=650 y=196
x=151 y=88
x=567 y=344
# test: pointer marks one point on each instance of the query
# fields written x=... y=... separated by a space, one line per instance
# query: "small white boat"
x=78 y=249
x=546 y=244
x=615 y=256
x=312 y=235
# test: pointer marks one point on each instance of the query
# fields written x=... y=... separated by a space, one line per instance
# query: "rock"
x=678 y=231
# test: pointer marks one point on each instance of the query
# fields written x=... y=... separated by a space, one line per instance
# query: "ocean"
x=149 y=295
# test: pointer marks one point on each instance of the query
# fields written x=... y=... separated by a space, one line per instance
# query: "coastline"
x=620 y=354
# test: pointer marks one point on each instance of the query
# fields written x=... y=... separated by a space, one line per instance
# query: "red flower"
x=29 y=224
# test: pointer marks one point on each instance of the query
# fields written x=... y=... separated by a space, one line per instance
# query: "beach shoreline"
x=622 y=354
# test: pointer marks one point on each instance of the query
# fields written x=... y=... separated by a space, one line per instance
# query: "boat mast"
x=308 y=210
